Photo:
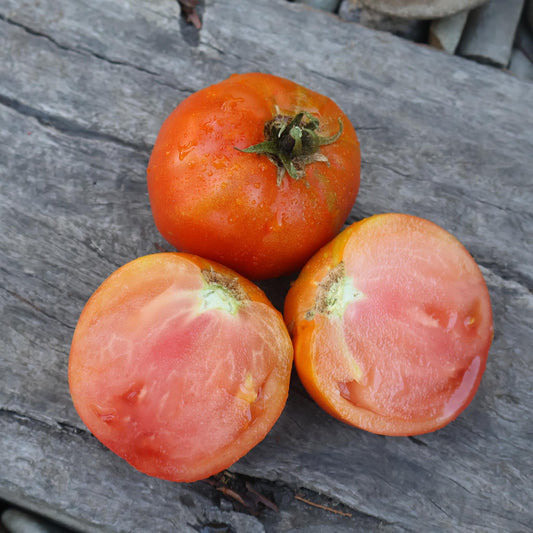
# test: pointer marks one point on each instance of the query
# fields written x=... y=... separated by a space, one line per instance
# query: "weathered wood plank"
x=84 y=88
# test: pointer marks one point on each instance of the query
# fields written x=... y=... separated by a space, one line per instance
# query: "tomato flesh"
x=400 y=344
x=174 y=373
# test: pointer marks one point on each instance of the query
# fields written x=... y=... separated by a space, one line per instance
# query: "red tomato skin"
x=408 y=353
x=210 y=199
x=179 y=391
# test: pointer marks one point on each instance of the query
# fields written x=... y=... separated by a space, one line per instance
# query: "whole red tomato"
x=391 y=324
x=179 y=365
x=255 y=172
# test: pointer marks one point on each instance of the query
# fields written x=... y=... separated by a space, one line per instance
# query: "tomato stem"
x=292 y=143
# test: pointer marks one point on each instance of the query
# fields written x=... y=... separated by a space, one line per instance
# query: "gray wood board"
x=84 y=88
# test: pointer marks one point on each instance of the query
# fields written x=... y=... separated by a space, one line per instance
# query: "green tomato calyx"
x=293 y=142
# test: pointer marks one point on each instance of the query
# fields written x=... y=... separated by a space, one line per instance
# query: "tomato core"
x=335 y=292
x=221 y=292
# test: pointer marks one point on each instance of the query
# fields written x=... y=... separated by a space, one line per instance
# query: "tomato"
x=255 y=172
x=179 y=365
x=391 y=324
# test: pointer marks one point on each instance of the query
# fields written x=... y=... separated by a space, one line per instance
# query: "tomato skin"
x=179 y=365
x=400 y=344
x=211 y=199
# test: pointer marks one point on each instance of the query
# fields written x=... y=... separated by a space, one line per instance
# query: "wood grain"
x=84 y=87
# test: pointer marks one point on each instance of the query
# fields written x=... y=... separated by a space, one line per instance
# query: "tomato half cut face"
x=179 y=365
x=392 y=325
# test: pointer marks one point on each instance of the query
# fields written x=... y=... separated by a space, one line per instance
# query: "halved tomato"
x=391 y=324
x=179 y=365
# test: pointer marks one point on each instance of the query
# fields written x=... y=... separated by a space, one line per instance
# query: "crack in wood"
x=334 y=79
x=37 y=33
x=88 y=52
x=386 y=167
x=36 y=308
x=43 y=424
x=507 y=274
x=329 y=504
x=68 y=127
x=117 y=62
x=417 y=441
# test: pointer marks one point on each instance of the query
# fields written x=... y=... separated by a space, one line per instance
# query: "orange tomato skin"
x=406 y=353
x=175 y=374
x=210 y=199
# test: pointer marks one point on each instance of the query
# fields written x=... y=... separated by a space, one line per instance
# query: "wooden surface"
x=84 y=88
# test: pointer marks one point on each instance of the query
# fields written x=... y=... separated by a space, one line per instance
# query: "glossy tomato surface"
x=179 y=365
x=210 y=198
x=391 y=324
